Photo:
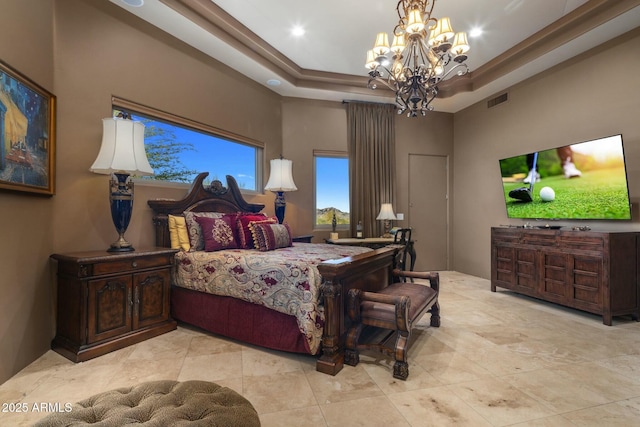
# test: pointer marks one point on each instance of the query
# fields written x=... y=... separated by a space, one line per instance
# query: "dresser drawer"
x=581 y=241
x=133 y=264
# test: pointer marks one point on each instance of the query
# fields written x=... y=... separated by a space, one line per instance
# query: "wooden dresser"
x=106 y=301
x=592 y=271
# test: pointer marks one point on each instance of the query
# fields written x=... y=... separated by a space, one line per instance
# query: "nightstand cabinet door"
x=151 y=298
x=109 y=308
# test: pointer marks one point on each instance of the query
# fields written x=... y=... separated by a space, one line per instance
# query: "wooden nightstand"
x=303 y=239
x=107 y=301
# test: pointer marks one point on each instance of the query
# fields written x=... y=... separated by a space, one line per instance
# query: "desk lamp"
x=386 y=215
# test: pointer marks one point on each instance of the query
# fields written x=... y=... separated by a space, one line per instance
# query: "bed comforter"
x=285 y=280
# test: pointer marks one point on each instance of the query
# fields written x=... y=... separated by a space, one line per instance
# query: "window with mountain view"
x=332 y=189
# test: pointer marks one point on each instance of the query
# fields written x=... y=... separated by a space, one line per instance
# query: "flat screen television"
x=586 y=181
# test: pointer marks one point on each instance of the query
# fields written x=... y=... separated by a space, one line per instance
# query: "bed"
x=282 y=296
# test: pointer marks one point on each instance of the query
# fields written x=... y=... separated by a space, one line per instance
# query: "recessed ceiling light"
x=133 y=3
x=297 y=31
x=475 y=32
x=273 y=82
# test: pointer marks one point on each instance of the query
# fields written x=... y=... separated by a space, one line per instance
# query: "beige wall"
x=27 y=235
x=309 y=125
x=591 y=96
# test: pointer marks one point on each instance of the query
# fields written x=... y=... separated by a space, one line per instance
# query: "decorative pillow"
x=178 y=233
x=268 y=237
x=218 y=233
x=244 y=232
x=195 y=232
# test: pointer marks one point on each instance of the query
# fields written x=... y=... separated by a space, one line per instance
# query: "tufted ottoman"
x=160 y=403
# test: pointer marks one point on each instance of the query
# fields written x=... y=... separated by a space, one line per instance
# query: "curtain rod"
x=355 y=101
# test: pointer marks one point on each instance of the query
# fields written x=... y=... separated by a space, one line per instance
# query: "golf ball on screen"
x=547 y=194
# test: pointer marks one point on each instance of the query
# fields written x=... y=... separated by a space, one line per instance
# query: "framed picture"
x=27 y=134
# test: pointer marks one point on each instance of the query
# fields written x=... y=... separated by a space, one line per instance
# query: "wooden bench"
x=394 y=308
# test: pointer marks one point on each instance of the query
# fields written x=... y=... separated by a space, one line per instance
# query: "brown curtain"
x=372 y=163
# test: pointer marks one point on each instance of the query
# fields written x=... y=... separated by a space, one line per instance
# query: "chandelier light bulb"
x=398 y=45
x=381 y=47
x=415 y=24
x=447 y=29
x=460 y=44
x=442 y=33
x=460 y=47
x=435 y=31
x=371 y=60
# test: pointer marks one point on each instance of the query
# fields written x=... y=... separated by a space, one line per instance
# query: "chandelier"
x=424 y=52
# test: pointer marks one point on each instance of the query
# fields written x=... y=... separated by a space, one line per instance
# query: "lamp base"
x=121 y=245
x=122 y=249
x=121 y=200
x=387 y=229
x=280 y=206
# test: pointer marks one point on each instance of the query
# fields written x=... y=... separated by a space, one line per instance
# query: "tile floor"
x=498 y=359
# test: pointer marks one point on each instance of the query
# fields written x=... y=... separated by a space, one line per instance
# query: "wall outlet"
x=400 y=216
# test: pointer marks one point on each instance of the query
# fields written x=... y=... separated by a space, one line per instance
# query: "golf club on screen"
x=525 y=194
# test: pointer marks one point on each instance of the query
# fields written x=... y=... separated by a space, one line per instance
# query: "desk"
x=370 y=242
x=377 y=243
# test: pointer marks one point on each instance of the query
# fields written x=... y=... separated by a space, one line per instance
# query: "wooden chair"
x=394 y=308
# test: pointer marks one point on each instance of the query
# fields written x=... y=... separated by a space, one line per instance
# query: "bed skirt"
x=237 y=319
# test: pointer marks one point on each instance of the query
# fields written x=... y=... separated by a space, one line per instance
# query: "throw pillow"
x=218 y=233
x=268 y=237
x=244 y=232
x=178 y=233
x=195 y=231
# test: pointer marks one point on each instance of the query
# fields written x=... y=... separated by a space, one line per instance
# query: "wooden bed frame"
x=368 y=271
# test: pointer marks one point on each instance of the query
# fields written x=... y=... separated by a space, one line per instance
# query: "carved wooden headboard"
x=199 y=198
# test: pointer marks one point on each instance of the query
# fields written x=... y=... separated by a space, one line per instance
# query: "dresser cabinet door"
x=586 y=282
x=151 y=298
x=526 y=271
x=556 y=273
x=503 y=266
x=109 y=308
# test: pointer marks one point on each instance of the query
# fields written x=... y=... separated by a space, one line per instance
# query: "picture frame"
x=27 y=134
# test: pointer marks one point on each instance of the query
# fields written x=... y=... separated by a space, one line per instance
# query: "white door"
x=428 y=210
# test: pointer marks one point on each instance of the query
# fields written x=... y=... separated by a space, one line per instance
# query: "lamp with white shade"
x=280 y=181
x=121 y=154
x=386 y=215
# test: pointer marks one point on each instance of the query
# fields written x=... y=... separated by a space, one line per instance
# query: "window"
x=332 y=189
x=178 y=149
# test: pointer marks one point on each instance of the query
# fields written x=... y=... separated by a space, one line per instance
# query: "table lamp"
x=280 y=180
x=386 y=215
x=121 y=154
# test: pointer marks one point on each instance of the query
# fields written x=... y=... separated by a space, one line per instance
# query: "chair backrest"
x=402 y=236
